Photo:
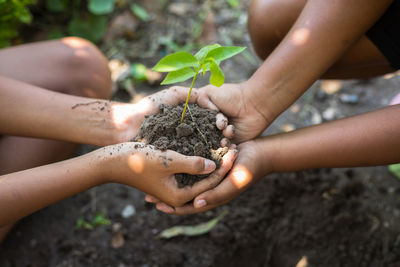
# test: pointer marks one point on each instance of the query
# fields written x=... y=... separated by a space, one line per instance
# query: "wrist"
x=268 y=152
x=122 y=123
x=102 y=161
x=256 y=94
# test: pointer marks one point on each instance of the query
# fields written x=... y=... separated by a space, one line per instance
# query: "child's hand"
x=233 y=100
x=248 y=168
x=127 y=118
x=152 y=171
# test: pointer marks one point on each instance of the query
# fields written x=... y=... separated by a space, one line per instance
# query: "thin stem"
x=187 y=99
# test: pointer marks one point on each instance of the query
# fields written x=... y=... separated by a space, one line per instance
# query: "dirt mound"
x=197 y=135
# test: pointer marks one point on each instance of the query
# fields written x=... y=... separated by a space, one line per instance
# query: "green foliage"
x=395 y=170
x=13 y=13
x=98 y=220
x=183 y=65
x=140 y=12
x=233 y=3
x=92 y=28
x=138 y=72
x=101 y=7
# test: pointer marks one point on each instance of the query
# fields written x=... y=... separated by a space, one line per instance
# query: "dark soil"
x=325 y=217
x=197 y=135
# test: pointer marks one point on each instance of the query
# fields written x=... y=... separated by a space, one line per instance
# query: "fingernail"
x=209 y=165
x=200 y=203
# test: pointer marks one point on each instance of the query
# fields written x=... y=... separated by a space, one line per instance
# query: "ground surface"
x=324 y=217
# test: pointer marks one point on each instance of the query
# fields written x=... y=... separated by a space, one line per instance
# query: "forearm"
x=321 y=34
x=369 y=139
x=31 y=111
x=24 y=192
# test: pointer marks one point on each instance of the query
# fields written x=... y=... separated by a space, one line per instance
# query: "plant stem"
x=187 y=99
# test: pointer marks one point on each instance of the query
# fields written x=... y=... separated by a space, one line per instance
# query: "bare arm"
x=133 y=164
x=321 y=34
x=369 y=139
x=28 y=110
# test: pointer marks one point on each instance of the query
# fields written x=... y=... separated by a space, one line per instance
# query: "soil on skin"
x=197 y=135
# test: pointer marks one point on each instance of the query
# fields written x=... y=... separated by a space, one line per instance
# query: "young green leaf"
x=224 y=52
x=101 y=7
x=176 y=61
x=395 y=170
x=140 y=12
x=201 y=54
x=179 y=76
x=217 y=77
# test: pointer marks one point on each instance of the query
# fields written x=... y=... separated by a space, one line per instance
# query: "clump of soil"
x=197 y=135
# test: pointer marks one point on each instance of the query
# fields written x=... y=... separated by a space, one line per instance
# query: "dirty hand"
x=129 y=117
x=152 y=171
x=248 y=168
x=233 y=101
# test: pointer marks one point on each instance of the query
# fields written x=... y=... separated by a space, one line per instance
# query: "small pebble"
x=128 y=211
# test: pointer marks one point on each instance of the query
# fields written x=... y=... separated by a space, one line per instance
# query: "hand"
x=152 y=171
x=233 y=101
x=249 y=167
x=127 y=118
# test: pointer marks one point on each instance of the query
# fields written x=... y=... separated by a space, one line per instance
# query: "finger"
x=225 y=142
x=151 y=199
x=236 y=182
x=161 y=206
x=215 y=178
x=229 y=131
x=190 y=164
x=181 y=93
x=204 y=101
x=221 y=121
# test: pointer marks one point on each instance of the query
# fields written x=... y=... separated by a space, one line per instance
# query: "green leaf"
x=100 y=219
x=224 y=52
x=176 y=61
x=140 y=12
x=217 y=77
x=233 y=3
x=138 y=72
x=55 y=34
x=55 y=5
x=92 y=28
x=101 y=7
x=395 y=170
x=179 y=76
x=4 y=43
x=200 y=55
x=194 y=230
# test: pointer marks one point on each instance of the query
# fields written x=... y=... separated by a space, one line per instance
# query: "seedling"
x=183 y=65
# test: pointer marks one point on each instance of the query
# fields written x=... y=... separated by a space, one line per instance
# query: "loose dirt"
x=197 y=135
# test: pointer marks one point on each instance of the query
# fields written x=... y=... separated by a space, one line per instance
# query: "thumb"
x=192 y=164
x=204 y=100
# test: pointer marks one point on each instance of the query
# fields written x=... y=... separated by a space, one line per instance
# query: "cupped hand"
x=129 y=117
x=153 y=171
x=248 y=168
x=233 y=101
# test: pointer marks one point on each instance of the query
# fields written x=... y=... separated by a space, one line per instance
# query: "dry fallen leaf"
x=331 y=86
x=117 y=241
x=192 y=230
